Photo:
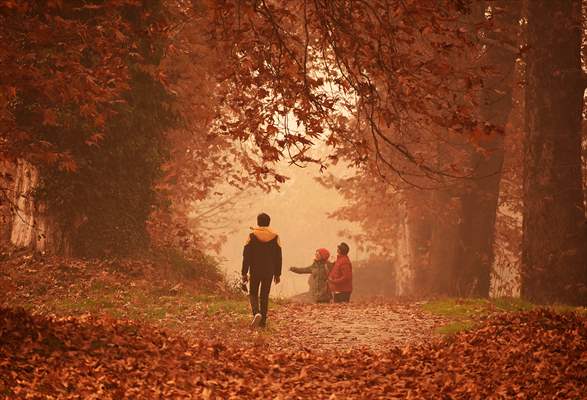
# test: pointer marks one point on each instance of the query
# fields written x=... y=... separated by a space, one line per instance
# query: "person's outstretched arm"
x=303 y=270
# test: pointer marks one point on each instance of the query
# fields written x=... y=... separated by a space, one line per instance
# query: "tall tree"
x=480 y=197
x=554 y=245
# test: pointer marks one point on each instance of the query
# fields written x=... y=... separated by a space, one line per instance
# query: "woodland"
x=462 y=122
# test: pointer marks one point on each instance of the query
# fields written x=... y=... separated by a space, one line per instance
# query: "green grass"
x=147 y=304
x=456 y=308
x=463 y=313
x=216 y=304
x=455 y=327
x=508 y=304
x=474 y=307
x=228 y=306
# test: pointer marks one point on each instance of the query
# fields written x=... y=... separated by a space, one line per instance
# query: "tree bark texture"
x=507 y=245
x=27 y=223
x=554 y=246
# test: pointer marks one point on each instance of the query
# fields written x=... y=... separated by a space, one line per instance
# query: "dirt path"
x=369 y=325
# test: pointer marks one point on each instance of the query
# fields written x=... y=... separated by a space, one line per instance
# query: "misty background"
x=299 y=214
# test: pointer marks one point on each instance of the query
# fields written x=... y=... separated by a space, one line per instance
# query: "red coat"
x=340 y=278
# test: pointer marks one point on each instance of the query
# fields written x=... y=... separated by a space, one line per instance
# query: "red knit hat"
x=324 y=254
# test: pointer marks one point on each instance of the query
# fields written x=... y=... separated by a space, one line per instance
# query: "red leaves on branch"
x=399 y=69
x=61 y=62
x=534 y=355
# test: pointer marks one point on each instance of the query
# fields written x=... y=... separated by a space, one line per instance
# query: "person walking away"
x=262 y=261
x=318 y=280
x=340 y=278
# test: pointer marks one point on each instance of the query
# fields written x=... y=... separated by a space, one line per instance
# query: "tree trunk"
x=554 y=259
x=27 y=222
x=480 y=200
x=419 y=222
x=446 y=240
x=507 y=246
x=446 y=246
x=404 y=275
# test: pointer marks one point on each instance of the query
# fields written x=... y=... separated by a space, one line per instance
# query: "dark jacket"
x=262 y=253
x=318 y=279
x=340 y=278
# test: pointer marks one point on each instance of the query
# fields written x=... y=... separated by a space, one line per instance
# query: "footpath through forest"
x=103 y=331
x=369 y=325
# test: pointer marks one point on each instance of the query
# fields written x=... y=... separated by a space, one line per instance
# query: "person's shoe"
x=263 y=323
x=256 y=321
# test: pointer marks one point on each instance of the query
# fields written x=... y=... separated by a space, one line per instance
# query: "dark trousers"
x=343 y=297
x=263 y=283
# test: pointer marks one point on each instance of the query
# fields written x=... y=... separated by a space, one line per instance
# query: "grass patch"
x=508 y=304
x=148 y=304
x=163 y=289
x=216 y=304
x=455 y=327
x=463 y=313
x=470 y=308
x=228 y=306
x=456 y=308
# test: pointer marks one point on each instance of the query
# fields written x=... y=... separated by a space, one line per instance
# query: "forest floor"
x=72 y=329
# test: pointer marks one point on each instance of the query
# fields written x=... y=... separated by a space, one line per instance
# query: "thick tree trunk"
x=554 y=256
x=507 y=247
x=27 y=224
x=480 y=200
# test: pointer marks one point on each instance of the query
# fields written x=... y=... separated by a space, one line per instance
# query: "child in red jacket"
x=340 y=278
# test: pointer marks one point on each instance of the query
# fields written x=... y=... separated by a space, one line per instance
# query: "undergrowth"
x=165 y=289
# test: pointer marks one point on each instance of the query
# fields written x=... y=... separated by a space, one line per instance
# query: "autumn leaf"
x=12 y=92
x=50 y=117
x=67 y=163
x=94 y=139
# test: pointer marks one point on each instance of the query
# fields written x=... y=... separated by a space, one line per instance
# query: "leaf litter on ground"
x=539 y=354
